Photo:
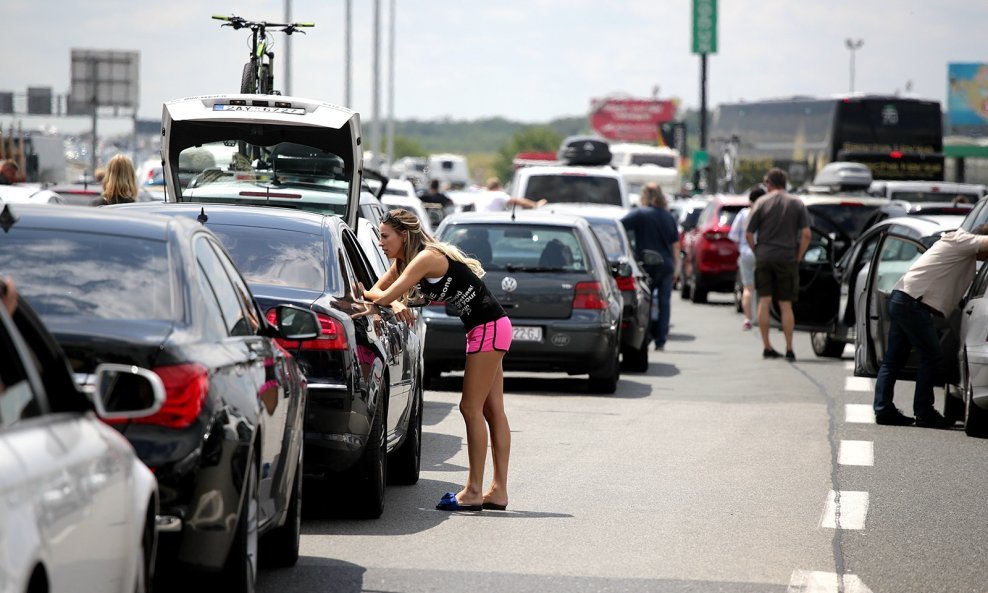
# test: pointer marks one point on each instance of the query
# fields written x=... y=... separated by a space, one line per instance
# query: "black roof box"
x=584 y=150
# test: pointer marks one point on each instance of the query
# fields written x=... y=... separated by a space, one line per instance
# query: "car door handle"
x=969 y=311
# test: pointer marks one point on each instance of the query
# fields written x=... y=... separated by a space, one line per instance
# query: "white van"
x=927 y=191
x=450 y=169
x=571 y=185
x=643 y=163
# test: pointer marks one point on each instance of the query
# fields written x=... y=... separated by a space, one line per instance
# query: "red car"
x=710 y=258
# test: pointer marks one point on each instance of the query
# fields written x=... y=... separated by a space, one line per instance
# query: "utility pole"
x=347 y=54
x=376 y=85
x=853 y=45
x=288 y=50
x=391 y=87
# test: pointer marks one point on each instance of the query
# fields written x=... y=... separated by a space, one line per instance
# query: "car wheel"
x=684 y=290
x=635 y=360
x=975 y=419
x=606 y=379
x=281 y=545
x=240 y=569
x=826 y=347
x=430 y=379
x=696 y=295
x=953 y=403
x=406 y=462
x=372 y=470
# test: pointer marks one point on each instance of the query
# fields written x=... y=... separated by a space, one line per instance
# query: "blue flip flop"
x=449 y=503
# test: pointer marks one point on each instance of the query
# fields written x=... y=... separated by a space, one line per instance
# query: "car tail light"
x=714 y=235
x=587 y=296
x=186 y=387
x=333 y=336
x=625 y=283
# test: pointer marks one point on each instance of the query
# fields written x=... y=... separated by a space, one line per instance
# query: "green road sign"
x=700 y=159
x=704 y=26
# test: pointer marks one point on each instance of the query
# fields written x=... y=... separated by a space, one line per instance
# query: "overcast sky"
x=526 y=60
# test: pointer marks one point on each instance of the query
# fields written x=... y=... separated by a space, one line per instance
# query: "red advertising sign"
x=630 y=120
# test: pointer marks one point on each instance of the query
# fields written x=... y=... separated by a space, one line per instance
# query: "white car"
x=77 y=507
x=565 y=184
x=28 y=194
x=413 y=205
x=643 y=163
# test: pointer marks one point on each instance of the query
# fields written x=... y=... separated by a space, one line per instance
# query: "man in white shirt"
x=495 y=199
x=932 y=287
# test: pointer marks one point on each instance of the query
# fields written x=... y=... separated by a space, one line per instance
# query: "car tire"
x=405 y=464
x=684 y=286
x=430 y=379
x=280 y=546
x=826 y=347
x=635 y=360
x=240 y=569
x=975 y=419
x=371 y=473
x=696 y=295
x=144 y=576
x=606 y=379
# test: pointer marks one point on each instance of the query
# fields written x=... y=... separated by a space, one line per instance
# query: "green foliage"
x=531 y=139
x=405 y=146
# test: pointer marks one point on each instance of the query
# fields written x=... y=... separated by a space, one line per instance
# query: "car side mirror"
x=297 y=324
x=650 y=257
x=125 y=392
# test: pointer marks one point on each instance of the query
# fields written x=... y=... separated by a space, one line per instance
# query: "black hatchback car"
x=363 y=422
x=161 y=293
x=553 y=279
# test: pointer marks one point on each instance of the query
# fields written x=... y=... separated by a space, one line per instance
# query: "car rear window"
x=929 y=196
x=578 y=189
x=727 y=214
x=276 y=256
x=89 y=276
x=520 y=247
x=661 y=160
x=847 y=219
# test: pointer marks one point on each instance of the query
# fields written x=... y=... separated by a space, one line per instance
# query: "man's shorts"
x=779 y=280
x=491 y=336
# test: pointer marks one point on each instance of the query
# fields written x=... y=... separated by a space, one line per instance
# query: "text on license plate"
x=526 y=334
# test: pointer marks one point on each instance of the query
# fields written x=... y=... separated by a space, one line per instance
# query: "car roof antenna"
x=7 y=218
x=202 y=218
x=513 y=208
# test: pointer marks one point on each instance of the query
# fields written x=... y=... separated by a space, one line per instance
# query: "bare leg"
x=763 y=306
x=478 y=378
x=788 y=322
x=497 y=420
x=746 y=302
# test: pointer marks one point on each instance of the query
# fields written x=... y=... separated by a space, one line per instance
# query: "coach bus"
x=897 y=138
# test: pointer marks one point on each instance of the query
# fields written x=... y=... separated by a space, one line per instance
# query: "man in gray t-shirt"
x=782 y=226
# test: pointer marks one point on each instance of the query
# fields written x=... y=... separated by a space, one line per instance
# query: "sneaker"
x=746 y=325
x=933 y=419
x=770 y=353
x=893 y=417
x=790 y=356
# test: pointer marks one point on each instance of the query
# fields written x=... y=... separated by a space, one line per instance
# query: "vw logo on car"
x=509 y=284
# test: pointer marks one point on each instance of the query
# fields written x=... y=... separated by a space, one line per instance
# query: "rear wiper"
x=515 y=268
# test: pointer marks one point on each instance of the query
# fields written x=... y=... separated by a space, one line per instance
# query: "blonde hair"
x=120 y=183
x=417 y=240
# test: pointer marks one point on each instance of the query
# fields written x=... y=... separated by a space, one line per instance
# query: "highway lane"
x=715 y=471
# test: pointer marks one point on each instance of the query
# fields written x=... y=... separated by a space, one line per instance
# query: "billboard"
x=106 y=78
x=967 y=98
x=630 y=120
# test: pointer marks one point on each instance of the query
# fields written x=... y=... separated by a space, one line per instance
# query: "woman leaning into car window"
x=425 y=267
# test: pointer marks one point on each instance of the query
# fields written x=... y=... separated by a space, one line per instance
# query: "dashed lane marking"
x=847 y=510
x=859 y=413
x=856 y=453
x=812 y=581
x=859 y=384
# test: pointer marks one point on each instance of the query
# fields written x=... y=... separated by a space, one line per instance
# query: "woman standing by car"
x=441 y=272
x=120 y=182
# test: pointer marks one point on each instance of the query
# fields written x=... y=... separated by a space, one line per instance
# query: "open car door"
x=263 y=150
x=819 y=287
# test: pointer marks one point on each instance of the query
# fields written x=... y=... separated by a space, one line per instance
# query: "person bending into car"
x=932 y=287
x=425 y=267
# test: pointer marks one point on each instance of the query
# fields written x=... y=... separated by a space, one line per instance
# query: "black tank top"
x=467 y=294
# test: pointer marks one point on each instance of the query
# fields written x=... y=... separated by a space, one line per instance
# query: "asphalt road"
x=716 y=471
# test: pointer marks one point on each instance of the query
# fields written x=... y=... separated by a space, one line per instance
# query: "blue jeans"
x=911 y=326
x=661 y=297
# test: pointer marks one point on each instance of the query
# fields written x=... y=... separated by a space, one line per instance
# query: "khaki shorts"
x=779 y=280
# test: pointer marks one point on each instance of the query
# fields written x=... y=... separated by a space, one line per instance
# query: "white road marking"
x=856 y=453
x=859 y=413
x=853 y=510
x=812 y=581
x=859 y=384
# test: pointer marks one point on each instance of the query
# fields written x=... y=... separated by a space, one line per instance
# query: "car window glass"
x=867 y=251
x=243 y=293
x=17 y=400
x=234 y=316
x=357 y=260
x=276 y=256
x=980 y=283
x=609 y=236
x=561 y=189
x=977 y=216
x=818 y=250
x=212 y=323
x=87 y=276
x=726 y=215
x=894 y=259
x=520 y=246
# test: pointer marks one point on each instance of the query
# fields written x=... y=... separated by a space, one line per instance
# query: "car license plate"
x=527 y=334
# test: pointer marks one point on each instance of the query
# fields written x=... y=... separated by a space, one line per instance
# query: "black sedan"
x=162 y=293
x=363 y=421
x=553 y=279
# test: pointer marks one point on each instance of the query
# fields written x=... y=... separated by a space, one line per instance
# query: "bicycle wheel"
x=265 y=79
x=248 y=80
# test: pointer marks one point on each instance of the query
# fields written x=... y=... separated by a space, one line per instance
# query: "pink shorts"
x=491 y=336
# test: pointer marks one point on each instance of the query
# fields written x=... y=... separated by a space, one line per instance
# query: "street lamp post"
x=853 y=45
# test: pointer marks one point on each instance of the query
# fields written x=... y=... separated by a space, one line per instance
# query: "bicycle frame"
x=258 y=74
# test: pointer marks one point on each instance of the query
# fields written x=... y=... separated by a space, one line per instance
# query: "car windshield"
x=281 y=174
x=662 y=160
x=520 y=247
x=87 y=276
x=588 y=189
x=276 y=256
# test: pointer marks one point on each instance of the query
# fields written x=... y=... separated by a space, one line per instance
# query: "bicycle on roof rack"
x=258 y=74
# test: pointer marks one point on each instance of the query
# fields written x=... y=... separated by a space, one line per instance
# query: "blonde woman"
x=120 y=182
x=441 y=272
